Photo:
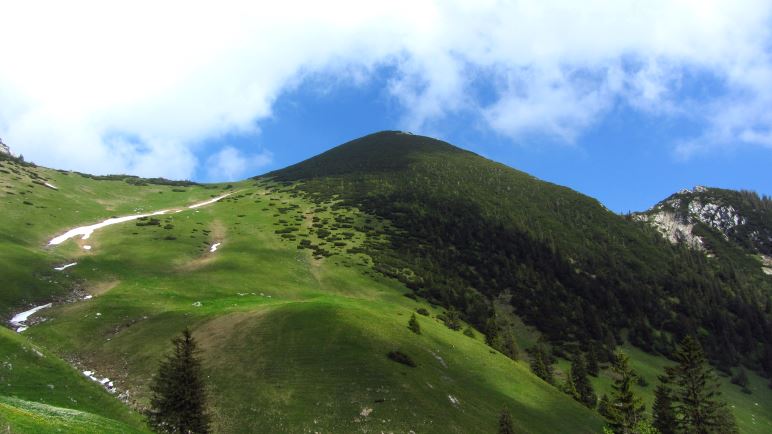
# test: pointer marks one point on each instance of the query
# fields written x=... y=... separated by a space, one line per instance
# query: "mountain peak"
x=4 y=149
x=705 y=217
x=383 y=151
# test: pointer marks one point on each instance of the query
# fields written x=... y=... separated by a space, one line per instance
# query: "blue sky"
x=623 y=100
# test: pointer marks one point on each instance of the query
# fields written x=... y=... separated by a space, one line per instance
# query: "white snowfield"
x=64 y=267
x=209 y=201
x=85 y=231
x=19 y=319
x=214 y=247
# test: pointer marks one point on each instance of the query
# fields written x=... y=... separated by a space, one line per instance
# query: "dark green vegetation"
x=694 y=395
x=292 y=339
x=178 y=404
x=465 y=231
x=320 y=270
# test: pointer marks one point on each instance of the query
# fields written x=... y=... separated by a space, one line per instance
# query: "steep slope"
x=51 y=396
x=38 y=203
x=287 y=284
x=465 y=230
x=720 y=222
x=291 y=341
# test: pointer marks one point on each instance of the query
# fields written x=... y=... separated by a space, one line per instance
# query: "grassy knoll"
x=292 y=341
x=30 y=373
x=33 y=213
x=292 y=320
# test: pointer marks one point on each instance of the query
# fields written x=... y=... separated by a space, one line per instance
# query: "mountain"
x=298 y=284
x=4 y=149
x=465 y=231
x=717 y=221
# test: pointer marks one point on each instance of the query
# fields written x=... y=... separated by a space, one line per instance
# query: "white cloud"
x=230 y=164
x=138 y=86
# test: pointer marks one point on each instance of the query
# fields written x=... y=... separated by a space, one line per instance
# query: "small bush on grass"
x=401 y=357
x=413 y=325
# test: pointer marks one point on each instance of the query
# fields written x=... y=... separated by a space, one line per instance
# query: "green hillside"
x=41 y=393
x=290 y=343
x=317 y=270
x=466 y=230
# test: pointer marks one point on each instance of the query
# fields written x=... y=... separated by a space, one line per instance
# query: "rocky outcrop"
x=731 y=214
x=767 y=267
x=4 y=148
x=673 y=228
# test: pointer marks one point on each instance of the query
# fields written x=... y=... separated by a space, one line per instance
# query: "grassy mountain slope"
x=314 y=280
x=41 y=393
x=290 y=342
x=466 y=230
x=33 y=213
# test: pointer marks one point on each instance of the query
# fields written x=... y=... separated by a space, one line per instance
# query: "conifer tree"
x=696 y=396
x=625 y=407
x=664 y=418
x=178 y=403
x=604 y=407
x=509 y=345
x=592 y=362
x=413 y=325
x=491 y=331
x=584 y=391
x=540 y=364
x=505 y=423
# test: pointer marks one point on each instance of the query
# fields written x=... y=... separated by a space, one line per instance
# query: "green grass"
x=291 y=341
x=19 y=416
x=312 y=356
x=31 y=373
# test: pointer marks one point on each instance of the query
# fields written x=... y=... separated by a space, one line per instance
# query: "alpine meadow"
x=395 y=283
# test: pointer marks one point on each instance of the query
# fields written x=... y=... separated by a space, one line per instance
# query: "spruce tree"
x=505 y=423
x=664 y=418
x=509 y=345
x=491 y=331
x=625 y=407
x=178 y=403
x=592 y=362
x=584 y=391
x=540 y=364
x=604 y=407
x=413 y=325
x=696 y=397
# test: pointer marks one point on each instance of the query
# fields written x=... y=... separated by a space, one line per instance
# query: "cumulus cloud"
x=140 y=86
x=230 y=164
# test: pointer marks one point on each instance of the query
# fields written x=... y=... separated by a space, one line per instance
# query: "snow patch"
x=105 y=382
x=209 y=201
x=20 y=319
x=87 y=247
x=85 y=231
x=50 y=186
x=64 y=267
x=453 y=400
x=214 y=247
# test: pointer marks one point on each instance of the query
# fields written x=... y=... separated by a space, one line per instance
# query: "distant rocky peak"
x=739 y=217
x=4 y=149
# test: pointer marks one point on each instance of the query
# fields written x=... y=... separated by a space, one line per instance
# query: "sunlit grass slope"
x=294 y=327
x=291 y=342
x=33 y=213
x=28 y=374
x=26 y=417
